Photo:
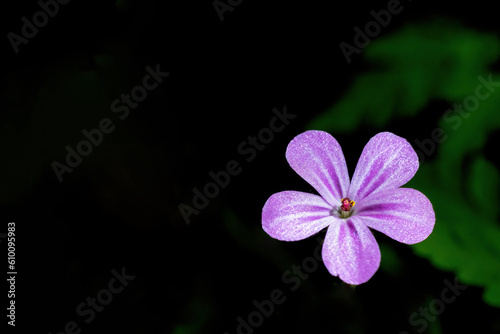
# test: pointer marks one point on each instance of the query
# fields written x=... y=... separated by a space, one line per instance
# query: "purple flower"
x=374 y=200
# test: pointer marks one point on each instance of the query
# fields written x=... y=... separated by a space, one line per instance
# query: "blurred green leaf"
x=197 y=312
x=483 y=185
x=391 y=261
x=422 y=62
x=419 y=63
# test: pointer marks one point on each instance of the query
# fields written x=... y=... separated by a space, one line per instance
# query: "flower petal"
x=295 y=215
x=387 y=161
x=406 y=215
x=317 y=157
x=350 y=251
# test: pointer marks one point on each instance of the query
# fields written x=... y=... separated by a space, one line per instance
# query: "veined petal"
x=387 y=162
x=317 y=157
x=295 y=215
x=350 y=251
x=406 y=215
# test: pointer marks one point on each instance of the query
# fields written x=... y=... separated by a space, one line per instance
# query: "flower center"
x=345 y=207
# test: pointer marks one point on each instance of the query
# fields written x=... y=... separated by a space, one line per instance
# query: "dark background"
x=119 y=207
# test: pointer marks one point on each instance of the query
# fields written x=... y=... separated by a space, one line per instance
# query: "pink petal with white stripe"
x=350 y=251
x=387 y=162
x=406 y=215
x=295 y=215
x=317 y=157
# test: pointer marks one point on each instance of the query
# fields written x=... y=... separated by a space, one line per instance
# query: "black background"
x=225 y=79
